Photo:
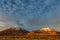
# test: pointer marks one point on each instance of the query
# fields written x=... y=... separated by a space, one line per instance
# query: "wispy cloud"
x=30 y=14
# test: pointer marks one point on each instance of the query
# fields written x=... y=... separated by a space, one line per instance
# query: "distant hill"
x=44 y=31
x=14 y=31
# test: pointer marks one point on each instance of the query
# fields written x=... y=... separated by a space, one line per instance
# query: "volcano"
x=44 y=31
x=14 y=31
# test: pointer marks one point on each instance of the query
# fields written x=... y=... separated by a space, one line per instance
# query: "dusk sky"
x=30 y=14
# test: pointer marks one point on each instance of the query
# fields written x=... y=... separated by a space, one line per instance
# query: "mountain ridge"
x=20 y=31
x=44 y=31
x=14 y=31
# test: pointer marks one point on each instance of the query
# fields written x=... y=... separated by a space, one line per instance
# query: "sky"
x=30 y=14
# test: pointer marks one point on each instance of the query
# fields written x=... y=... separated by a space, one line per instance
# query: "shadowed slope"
x=14 y=31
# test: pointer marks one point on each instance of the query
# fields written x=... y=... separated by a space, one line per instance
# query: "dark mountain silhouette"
x=14 y=31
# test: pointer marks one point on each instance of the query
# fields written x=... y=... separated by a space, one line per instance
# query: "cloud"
x=30 y=14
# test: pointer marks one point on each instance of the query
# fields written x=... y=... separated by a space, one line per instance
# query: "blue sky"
x=30 y=14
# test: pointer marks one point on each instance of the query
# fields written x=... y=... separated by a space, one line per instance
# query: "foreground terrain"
x=30 y=37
